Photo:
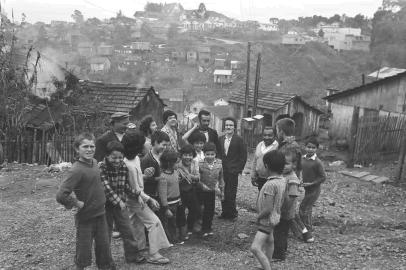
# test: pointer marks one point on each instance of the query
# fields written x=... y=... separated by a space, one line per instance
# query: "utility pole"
x=247 y=82
x=256 y=87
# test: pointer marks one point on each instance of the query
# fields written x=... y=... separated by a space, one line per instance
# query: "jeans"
x=87 y=231
x=122 y=222
x=208 y=200
x=306 y=206
x=230 y=194
x=189 y=201
x=143 y=217
x=280 y=234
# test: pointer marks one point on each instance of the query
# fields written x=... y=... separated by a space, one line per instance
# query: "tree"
x=153 y=7
x=42 y=36
x=77 y=16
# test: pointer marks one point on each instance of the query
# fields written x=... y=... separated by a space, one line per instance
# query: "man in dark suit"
x=234 y=155
x=203 y=127
x=119 y=122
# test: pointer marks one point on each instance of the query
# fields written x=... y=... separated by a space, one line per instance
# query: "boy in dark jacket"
x=84 y=181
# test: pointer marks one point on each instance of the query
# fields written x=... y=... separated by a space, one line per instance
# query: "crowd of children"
x=159 y=197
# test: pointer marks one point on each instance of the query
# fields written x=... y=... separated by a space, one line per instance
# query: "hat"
x=119 y=116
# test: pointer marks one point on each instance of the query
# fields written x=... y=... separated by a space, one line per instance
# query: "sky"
x=261 y=10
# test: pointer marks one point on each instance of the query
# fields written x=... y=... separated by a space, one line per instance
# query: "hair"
x=287 y=125
x=203 y=112
x=187 y=149
x=168 y=159
x=197 y=137
x=229 y=118
x=145 y=125
x=274 y=161
x=209 y=147
x=114 y=146
x=82 y=136
x=159 y=136
x=313 y=140
x=133 y=144
x=167 y=114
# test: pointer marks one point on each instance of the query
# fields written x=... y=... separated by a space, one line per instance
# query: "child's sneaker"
x=308 y=238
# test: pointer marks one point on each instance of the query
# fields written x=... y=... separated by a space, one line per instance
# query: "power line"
x=97 y=6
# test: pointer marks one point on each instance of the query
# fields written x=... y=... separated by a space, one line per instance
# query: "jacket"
x=234 y=161
x=213 y=137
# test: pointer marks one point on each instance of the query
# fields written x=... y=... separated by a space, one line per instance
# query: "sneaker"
x=210 y=233
x=308 y=238
x=205 y=235
x=115 y=234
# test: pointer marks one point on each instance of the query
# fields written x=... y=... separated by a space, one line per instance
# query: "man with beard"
x=259 y=173
x=203 y=127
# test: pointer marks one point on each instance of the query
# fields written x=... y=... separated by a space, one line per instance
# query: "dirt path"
x=358 y=226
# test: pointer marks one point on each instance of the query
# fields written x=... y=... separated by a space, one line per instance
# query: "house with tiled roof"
x=276 y=105
x=125 y=97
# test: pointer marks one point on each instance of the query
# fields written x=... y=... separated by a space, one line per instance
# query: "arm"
x=243 y=155
x=64 y=195
x=254 y=174
x=163 y=192
x=186 y=136
x=268 y=202
x=132 y=179
x=145 y=163
x=221 y=183
x=321 y=174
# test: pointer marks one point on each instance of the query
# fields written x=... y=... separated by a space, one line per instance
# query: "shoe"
x=189 y=233
x=138 y=259
x=205 y=235
x=115 y=234
x=307 y=237
x=210 y=233
x=158 y=260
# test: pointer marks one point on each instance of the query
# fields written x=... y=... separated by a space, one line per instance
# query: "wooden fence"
x=376 y=136
x=38 y=147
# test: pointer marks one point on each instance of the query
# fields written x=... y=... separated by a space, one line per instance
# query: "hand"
x=141 y=201
x=306 y=184
x=79 y=205
x=195 y=125
x=168 y=213
x=149 y=172
x=153 y=204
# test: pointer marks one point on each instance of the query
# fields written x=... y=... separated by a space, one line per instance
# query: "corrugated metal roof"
x=269 y=100
x=117 y=97
x=364 y=87
x=386 y=72
x=225 y=72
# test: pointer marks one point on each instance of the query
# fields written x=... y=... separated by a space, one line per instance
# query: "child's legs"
x=181 y=215
x=258 y=247
x=171 y=223
x=84 y=241
x=306 y=206
x=269 y=246
x=209 y=198
x=189 y=199
x=280 y=235
x=104 y=260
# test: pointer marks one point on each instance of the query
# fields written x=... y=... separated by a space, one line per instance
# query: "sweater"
x=273 y=191
x=168 y=188
x=151 y=183
x=212 y=174
x=84 y=180
x=188 y=175
x=312 y=171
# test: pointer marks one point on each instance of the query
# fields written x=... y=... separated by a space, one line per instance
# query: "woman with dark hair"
x=140 y=206
x=147 y=127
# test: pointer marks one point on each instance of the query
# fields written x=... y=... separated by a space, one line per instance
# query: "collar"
x=274 y=177
x=228 y=138
x=313 y=157
x=272 y=144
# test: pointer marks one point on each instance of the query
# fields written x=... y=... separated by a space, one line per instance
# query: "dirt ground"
x=358 y=225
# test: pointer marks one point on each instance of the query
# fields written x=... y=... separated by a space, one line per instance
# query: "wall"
x=391 y=96
x=340 y=122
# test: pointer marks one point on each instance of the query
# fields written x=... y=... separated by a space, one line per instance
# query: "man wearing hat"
x=119 y=122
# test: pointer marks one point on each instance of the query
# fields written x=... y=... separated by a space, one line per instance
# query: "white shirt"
x=313 y=157
x=206 y=134
x=227 y=142
x=119 y=136
x=199 y=156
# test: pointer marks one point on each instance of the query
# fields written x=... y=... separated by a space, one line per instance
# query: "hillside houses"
x=223 y=76
x=99 y=64
x=86 y=49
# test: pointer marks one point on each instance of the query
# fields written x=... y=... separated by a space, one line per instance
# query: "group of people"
x=279 y=170
x=155 y=187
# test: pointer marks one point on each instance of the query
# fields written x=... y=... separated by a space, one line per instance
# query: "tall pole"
x=256 y=87
x=247 y=82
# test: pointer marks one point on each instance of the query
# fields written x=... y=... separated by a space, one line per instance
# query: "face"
x=310 y=149
x=115 y=158
x=204 y=122
x=172 y=121
x=153 y=127
x=120 y=126
x=187 y=159
x=160 y=147
x=279 y=133
x=268 y=136
x=210 y=156
x=86 y=150
x=198 y=146
x=229 y=127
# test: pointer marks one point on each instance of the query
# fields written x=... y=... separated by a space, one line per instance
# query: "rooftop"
x=117 y=97
x=386 y=72
x=224 y=72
